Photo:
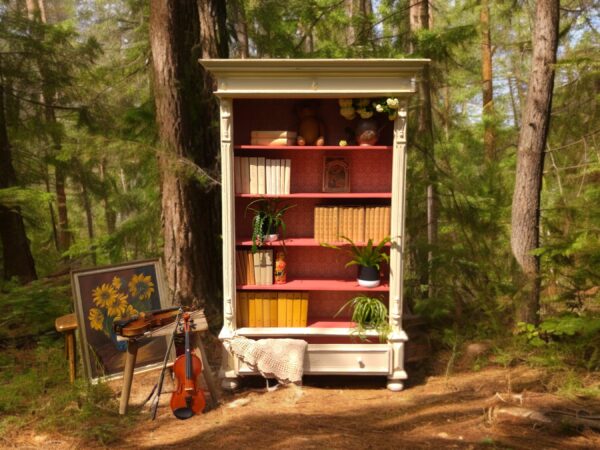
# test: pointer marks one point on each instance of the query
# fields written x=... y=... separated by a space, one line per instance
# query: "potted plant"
x=368 y=313
x=267 y=220
x=368 y=258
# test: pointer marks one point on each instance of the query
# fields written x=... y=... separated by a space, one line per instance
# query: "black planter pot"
x=368 y=276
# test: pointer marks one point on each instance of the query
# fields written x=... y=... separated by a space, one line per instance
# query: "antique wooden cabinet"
x=263 y=95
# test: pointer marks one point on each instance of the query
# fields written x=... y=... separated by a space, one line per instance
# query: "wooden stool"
x=68 y=324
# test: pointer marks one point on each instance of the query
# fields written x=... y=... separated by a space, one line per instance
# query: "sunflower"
x=118 y=306
x=116 y=283
x=96 y=319
x=141 y=286
x=103 y=295
x=129 y=312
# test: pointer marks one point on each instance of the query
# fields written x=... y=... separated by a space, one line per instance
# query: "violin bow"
x=161 y=379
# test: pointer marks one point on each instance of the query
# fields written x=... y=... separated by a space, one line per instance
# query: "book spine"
x=386 y=221
x=288 y=175
x=268 y=277
x=237 y=174
x=268 y=187
x=260 y=164
x=316 y=218
x=281 y=309
x=249 y=268
x=273 y=307
x=251 y=309
x=336 y=224
x=304 y=309
x=253 y=175
x=258 y=300
x=245 y=169
x=289 y=310
x=266 y=296
x=256 y=265
x=297 y=308
x=361 y=224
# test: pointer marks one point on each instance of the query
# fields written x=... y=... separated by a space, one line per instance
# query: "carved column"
x=397 y=337
x=229 y=378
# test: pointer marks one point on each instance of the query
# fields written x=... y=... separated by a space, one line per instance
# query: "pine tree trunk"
x=16 y=254
x=185 y=113
x=419 y=20
x=241 y=28
x=487 y=86
x=530 y=157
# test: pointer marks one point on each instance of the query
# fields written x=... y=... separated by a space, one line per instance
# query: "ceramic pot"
x=366 y=132
x=368 y=277
x=270 y=237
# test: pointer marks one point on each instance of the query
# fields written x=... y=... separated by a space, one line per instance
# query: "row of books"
x=255 y=269
x=272 y=309
x=258 y=175
x=359 y=223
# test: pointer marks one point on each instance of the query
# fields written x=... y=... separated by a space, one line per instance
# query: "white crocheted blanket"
x=282 y=359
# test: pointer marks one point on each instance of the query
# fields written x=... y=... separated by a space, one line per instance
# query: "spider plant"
x=368 y=313
x=267 y=219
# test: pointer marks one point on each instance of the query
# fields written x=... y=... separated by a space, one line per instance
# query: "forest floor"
x=463 y=410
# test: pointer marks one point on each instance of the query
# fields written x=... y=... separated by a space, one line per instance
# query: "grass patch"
x=35 y=392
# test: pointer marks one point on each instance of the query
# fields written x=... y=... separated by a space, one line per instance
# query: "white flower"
x=393 y=103
x=364 y=114
x=379 y=108
x=343 y=143
x=344 y=102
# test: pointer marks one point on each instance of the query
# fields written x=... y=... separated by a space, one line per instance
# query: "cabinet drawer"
x=356 y=359
x=332 y=359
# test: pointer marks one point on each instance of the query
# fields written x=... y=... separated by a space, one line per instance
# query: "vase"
x=368 y=277
x=366 y=132
x=280 y=271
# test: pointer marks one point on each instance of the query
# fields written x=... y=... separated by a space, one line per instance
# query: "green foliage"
x=368 y=255
x=368 y=313
x=267 y=219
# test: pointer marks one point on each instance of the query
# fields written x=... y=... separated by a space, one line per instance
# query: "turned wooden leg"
x=70 y=341
x=132 y=348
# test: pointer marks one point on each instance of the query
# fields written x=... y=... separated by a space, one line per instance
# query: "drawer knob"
x=360 y=362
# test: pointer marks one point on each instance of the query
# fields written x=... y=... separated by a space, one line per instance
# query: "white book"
x=269 y=186
x=253 y=175
x=260 y=164
x=237 y=175
x=245 y=169
x=282 y=176
x=288 y=173
x=276 y=163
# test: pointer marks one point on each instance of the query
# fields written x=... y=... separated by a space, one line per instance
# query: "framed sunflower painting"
x=103 y=295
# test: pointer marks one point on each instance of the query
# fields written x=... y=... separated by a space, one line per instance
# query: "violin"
x=145 y=321
x=188 y=399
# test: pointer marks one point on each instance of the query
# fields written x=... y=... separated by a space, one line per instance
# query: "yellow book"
x=297 y=302
x=316 y=219
x=304 y=309
x=251 y=309
x=242 y=309
x=258 y=301
x=368 y=220
x=336 y=224
x=266 y=303
x=289 y=310
x=249 y=268
x=281 y=308
x=380 y=223
x=273 y=306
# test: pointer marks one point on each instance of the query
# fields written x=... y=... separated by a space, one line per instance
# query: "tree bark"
x=487 y=85
x=186 y=113
x=419 y=20
x=16 y=254
x=241 y=28
x=530 y=157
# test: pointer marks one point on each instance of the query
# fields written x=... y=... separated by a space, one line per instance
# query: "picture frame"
x=336 y=174
x=105 y=294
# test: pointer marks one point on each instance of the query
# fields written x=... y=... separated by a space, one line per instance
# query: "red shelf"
x=313 y=147
x=299 y=242
x=321 y=195
x=315 y=285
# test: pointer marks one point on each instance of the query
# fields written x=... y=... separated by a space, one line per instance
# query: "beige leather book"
x=273 y=134
x=387 y=221
x=361 y=224
x=281 y=309
x=270 y=141
x=257 y=271
x=304 y=309
x=237 y=174
x=268 y=267
x=245 y=169
x=268 y=179
x=253 y=161
x=262 y=182
x=282 y=176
